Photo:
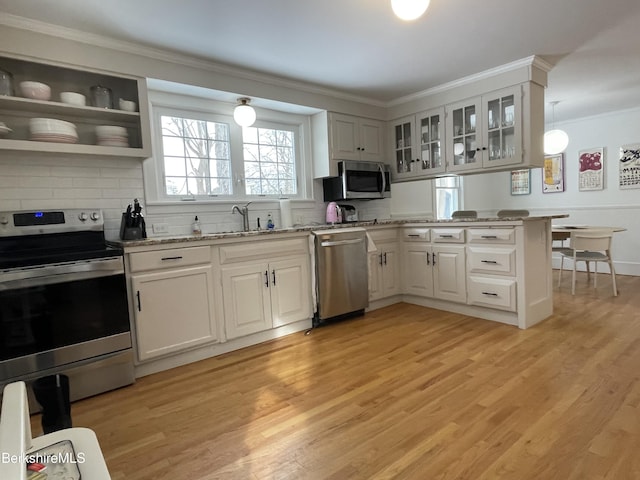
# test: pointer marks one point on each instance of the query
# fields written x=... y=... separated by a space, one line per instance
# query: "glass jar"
x=6 y=83
x=101 y=97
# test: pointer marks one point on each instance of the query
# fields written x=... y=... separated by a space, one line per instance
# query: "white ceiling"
x=359 y=47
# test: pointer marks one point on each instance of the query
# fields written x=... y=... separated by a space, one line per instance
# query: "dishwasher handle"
x=337 y=243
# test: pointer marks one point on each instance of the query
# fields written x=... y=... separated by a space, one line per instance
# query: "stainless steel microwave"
x=358 y=181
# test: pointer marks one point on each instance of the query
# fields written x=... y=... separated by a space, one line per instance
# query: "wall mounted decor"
x=591 y=169
x=630 y=166
x=553 y=174
x=521 y=182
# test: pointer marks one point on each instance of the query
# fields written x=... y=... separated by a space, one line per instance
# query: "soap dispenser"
x=270 y=224
x=196 y=229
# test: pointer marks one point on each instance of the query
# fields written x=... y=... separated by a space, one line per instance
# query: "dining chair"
x=464 y=214
x=589 y=246
x=512 y=213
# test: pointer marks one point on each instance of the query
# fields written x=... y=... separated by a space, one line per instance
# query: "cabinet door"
x=417 y=271
x=290 y=290
x=247 y=305
x=403 y=153
x=390 y=270
x=502 y=112
x=430 y=142
x=370 y=140
x=173 y=310
x=344 y=137
x=449 y=282
x=464 y=135
x=375 y=275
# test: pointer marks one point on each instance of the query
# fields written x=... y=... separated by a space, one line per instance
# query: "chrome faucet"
x=244 y=211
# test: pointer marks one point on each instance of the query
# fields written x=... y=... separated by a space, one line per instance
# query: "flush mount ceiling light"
x=555 y=140
x=409 y=9
x=244 y=114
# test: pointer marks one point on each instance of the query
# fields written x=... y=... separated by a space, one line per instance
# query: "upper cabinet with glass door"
x=486 y=131
x=418 y=143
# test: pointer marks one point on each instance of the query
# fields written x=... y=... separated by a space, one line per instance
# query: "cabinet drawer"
x=263 y=249
x=415 y=234
x=447 y=235
x=501 y=261
x=492 y=292
x=169 y=258
x=492 y=235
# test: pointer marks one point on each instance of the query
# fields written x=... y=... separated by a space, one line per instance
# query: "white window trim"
x=164 y=103
x=460 y=191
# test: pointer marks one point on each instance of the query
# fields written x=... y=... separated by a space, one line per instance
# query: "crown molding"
x=492 y=72
x=101 y=41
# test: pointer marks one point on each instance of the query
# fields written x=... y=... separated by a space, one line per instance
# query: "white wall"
x=609 y=207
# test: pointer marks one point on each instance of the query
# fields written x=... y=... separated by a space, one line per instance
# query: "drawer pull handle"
x=490 y=237
x=273 y=272
x=413 y=235
x=138 y=297
x=266 y=278
x=428 y=261
x=446 y=236
x=171 y=258
x=385 y=257
x=492 y=262
x=490 y=294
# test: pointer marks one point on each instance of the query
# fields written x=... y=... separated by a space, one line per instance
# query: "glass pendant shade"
x=244 y=114
x=409 y=9
x=555 y=141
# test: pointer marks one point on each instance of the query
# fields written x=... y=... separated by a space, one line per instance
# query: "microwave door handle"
x=384 y=181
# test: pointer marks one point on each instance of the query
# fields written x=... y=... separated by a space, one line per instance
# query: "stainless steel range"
x=63 y=302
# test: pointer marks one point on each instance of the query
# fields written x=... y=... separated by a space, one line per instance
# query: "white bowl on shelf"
x=127 y=105
x=39 y=126
x=35 y=90
x=111 y=131
x=73 y=98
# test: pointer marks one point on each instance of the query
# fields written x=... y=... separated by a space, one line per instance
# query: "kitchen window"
x=447 y=192
x=205 y=156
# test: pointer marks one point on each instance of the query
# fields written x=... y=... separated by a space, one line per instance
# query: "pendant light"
x=409 y=9
x=555 y=140
x=244 y=114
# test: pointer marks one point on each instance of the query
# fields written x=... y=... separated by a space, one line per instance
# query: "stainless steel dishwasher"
x=342 y=280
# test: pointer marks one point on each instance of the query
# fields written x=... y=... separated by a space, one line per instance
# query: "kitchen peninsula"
x=193 y=297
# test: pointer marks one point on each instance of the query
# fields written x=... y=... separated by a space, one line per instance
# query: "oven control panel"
x=32 y=222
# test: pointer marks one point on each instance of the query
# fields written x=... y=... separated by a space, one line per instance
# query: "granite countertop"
x=310 y=228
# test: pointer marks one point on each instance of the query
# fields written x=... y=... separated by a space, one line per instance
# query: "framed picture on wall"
x=591 y=169
x=629 y=166
x=553 y=174
x=521 y=182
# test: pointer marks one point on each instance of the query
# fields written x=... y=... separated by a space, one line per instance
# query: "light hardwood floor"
x=404 y=392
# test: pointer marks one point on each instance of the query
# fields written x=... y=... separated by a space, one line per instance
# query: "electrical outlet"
x=299 y=220
x=160 y=228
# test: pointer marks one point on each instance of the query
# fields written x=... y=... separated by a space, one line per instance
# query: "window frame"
x=185 y=106
x=458 y=189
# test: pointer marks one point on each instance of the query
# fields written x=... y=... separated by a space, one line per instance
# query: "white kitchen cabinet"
x=265 y=285
x=16 y=111
x=344 y=137
x=449 y=276
x=485 y=132
x=384 y=271
x=418 y=145
x=173 y=302
x=491 y=268
x=435 y=270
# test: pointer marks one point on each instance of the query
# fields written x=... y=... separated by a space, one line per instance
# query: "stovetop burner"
x=52 y=236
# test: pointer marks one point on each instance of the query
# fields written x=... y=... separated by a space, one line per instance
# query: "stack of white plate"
x=52 y=130
x=112 y=136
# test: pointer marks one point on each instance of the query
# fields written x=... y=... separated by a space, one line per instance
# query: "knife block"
x=131 y=233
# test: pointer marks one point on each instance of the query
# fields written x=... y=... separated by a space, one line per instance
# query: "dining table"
x=560 y=233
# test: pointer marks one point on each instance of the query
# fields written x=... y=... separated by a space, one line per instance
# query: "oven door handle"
x=61 y=273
